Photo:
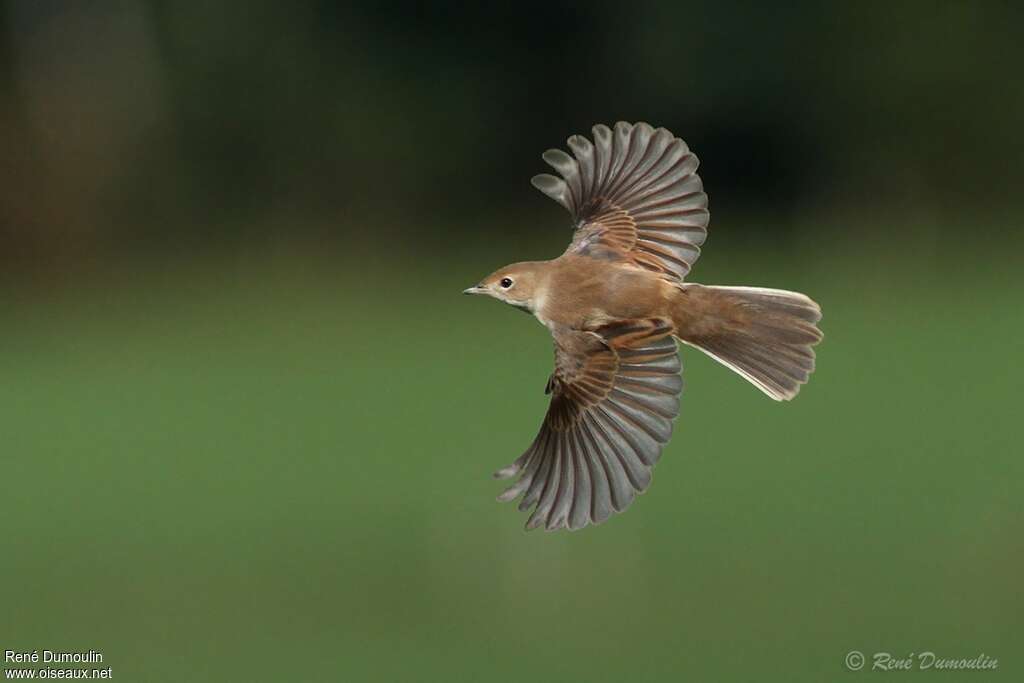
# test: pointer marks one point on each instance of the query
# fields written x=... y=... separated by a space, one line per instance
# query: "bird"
x=616 y=303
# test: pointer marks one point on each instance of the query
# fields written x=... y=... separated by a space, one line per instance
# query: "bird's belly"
x=589 y=302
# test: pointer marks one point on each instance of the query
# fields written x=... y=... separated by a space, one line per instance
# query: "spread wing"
x=634 y=195
x=615 y=396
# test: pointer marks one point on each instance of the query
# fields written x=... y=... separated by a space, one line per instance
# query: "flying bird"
x=616 y=302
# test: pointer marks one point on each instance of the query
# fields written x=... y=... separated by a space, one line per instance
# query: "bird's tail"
x=765 y=335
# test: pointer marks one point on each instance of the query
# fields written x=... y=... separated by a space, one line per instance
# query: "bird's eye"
x=506 y=282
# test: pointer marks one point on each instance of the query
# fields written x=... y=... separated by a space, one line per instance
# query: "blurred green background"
x=248 y=422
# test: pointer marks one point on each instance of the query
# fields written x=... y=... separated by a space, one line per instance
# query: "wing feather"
x=633 y=193
x=615 y=398
x=620 y=490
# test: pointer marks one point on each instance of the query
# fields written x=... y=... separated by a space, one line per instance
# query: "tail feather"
x=765 y=335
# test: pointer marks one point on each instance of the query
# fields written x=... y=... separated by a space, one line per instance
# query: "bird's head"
x=517 y=285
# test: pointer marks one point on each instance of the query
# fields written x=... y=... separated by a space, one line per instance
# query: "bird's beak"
x=476 y=289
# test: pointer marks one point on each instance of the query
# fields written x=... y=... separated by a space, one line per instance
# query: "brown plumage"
x=615 y=302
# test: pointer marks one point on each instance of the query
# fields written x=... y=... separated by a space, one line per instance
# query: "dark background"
x=248 y=422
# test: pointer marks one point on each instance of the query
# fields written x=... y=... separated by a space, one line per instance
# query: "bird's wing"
x=615 y=395
x=634 y=195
